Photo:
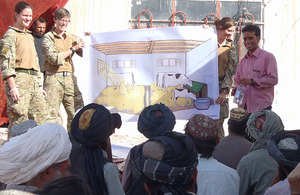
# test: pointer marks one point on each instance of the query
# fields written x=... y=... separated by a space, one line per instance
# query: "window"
x=123 y=64
x=167 y=62
x=100 y=66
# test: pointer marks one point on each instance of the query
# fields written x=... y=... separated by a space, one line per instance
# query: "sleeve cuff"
x=60 y=59
x=7 y=73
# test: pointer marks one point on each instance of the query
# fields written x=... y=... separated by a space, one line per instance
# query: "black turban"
x=176 y=168
x=155 y=120
x=284 y=147
x=92 y=125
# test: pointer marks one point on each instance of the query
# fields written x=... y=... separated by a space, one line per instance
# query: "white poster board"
x=136 y=68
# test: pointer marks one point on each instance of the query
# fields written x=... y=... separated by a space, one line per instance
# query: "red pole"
x=139 y=18
x=218 y=9
x=173 y=17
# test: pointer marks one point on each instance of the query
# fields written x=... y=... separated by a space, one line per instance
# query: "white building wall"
x=281 y=18
x=98 y=15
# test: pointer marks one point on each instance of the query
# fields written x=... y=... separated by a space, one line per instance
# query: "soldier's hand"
x=14 y=93
x=221 y=99
x=79 y=45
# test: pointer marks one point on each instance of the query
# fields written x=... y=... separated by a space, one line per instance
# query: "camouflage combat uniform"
x=18 y=58
x=60 y=82
x=227 y=64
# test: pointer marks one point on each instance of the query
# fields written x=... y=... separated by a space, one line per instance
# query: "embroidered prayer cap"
x=92 y=125
x=238 y=114
x=203 y=127
x=156 y=120
x=237 y=122
x=22 y=127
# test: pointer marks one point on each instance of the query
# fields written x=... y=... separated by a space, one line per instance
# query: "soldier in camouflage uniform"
x=227 y=62
x=21 y=71
x=58 y=47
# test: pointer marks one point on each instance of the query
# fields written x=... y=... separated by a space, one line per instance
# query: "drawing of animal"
x=118 y=79
x=174 y=80
x=183 y=93
x=159 y=79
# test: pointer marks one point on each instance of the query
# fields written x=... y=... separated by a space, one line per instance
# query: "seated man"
x=213 y=177
x=91 y=127
x=284 y=147
x=294 y=180
x=226 y=151
x=166 y=164
x=18 y=130
x=30 y=160
x=155 y=120
x=257 y=169
x=66 y=186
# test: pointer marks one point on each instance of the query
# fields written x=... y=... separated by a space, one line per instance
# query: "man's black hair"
x=238 y=127
x=204 y=147
x=41 y=20
x=252 y=28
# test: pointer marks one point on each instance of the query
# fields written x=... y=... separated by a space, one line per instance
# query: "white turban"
x=23 y=157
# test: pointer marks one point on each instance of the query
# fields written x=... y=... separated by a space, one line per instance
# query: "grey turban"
x=271 y=126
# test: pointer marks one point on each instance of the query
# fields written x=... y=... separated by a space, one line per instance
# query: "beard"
x=38 y=35
x=57 y=174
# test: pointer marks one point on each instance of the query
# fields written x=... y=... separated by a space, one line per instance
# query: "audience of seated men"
x=233 y=147
x=36 y=158
x=30 y=160
x=257 y=169
x=213 y=177
x=284 y=147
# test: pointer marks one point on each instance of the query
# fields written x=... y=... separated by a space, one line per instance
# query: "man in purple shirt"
x=257 y=72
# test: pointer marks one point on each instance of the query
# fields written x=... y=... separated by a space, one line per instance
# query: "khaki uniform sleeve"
x=7 y=54
x=231 y=69
x=49 y=51
x=76 y=40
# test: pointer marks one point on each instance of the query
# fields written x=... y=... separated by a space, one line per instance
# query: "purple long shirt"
x=262 y=67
